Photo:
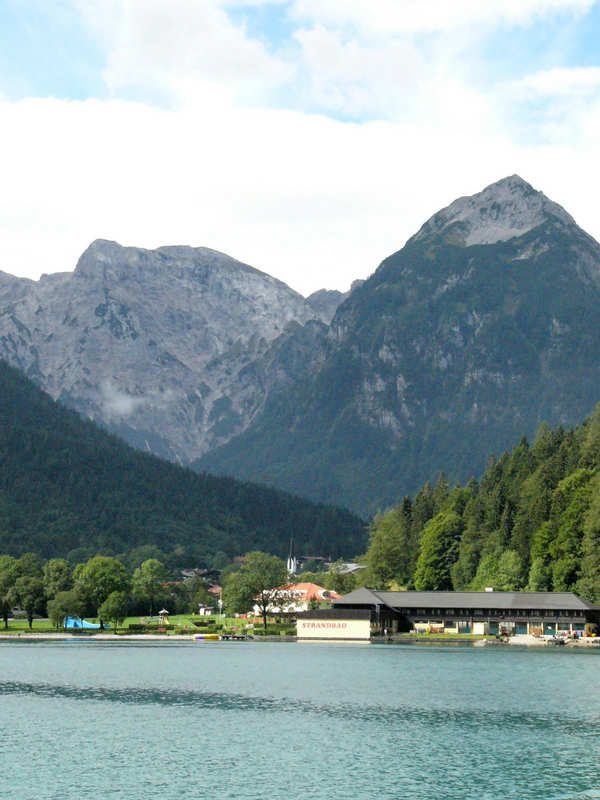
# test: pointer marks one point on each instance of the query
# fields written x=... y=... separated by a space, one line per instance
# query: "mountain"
x=485 y=324
x=326 y=301
x=163 y=347
x=68 y=488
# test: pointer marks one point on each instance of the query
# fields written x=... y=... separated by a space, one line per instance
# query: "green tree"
x=197 y=594
x=422 y=511
x=589 y=583
x=390 y=556
x=29 y=566
x=570 y=502
x=439 y=550
x=114 y=608
x=261 y=581
x=134 y=558
x=564 y=573
x=540 y=576
x=311 y=577
x=440 y=492
x=219 y=561
x=339 y=579
x=148 y=582
x=64 y=604
x=543 y=443
x=590 y=447
x=8 y=576
x=57 y=576
x=28 y=593
x=487 y=573
x=469 y=549
x=99 y=577
x=510 y=572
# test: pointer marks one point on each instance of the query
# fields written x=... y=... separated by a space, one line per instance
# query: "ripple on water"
x=286 y=722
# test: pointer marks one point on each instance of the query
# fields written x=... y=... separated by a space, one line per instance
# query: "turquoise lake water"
x=285 y=720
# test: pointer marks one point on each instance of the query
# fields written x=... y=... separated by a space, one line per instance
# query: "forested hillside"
x=532 y=522
x=67 y=488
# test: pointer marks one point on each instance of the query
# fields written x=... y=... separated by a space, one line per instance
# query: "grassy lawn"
x=176 y=622
x=21 y=626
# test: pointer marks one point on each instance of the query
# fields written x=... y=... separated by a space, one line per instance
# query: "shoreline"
x=519 y=641
x=124 y=637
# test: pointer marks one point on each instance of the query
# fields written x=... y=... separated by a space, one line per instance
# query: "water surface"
x=271 y=720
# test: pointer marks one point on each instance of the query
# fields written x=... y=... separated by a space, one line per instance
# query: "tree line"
x=531 y=523
x=101 y=587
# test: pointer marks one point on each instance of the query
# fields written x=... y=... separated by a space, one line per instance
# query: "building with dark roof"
x=546 y=613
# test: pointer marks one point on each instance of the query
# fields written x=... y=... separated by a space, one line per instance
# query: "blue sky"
x=307 y=137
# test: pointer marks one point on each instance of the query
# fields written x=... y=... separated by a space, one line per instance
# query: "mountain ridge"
x=152 y=343
x=448 y=352
x=480 y=327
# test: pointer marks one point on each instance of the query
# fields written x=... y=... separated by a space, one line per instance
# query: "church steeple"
x=292 y=562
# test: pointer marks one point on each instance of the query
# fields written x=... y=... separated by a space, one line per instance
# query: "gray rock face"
x=164 y=346
x=484 y=325
x=326 y=301
x=503 y=210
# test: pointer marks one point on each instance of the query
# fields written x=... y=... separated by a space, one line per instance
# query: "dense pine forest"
x=532 y=522
x=69 y=489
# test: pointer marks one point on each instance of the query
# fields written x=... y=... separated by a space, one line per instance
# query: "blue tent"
x=77 y=622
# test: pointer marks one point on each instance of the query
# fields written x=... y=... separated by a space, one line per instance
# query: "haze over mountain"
x=484 y=325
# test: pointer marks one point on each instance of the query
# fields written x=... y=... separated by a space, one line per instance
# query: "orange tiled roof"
x=312 y=591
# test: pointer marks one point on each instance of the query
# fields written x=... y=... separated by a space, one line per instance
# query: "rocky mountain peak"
x=101 y=252
x=109 y=261
x=164 y=346
x=505 y=209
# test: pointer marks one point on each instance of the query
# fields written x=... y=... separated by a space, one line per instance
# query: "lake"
x=81 y=719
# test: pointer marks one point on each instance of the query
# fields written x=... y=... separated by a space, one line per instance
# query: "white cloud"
x=345 y=75
x=117 y=403
x=189 y=49
x=567 y=81
x=415 y=16
x=559 y=106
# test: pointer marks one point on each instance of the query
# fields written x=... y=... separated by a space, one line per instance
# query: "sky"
x=308 y=138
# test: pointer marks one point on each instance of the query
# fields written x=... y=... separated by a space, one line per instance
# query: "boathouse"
x=489 y=612
x=347 y=624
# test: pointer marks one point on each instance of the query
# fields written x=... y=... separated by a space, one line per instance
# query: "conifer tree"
x=439 y=550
